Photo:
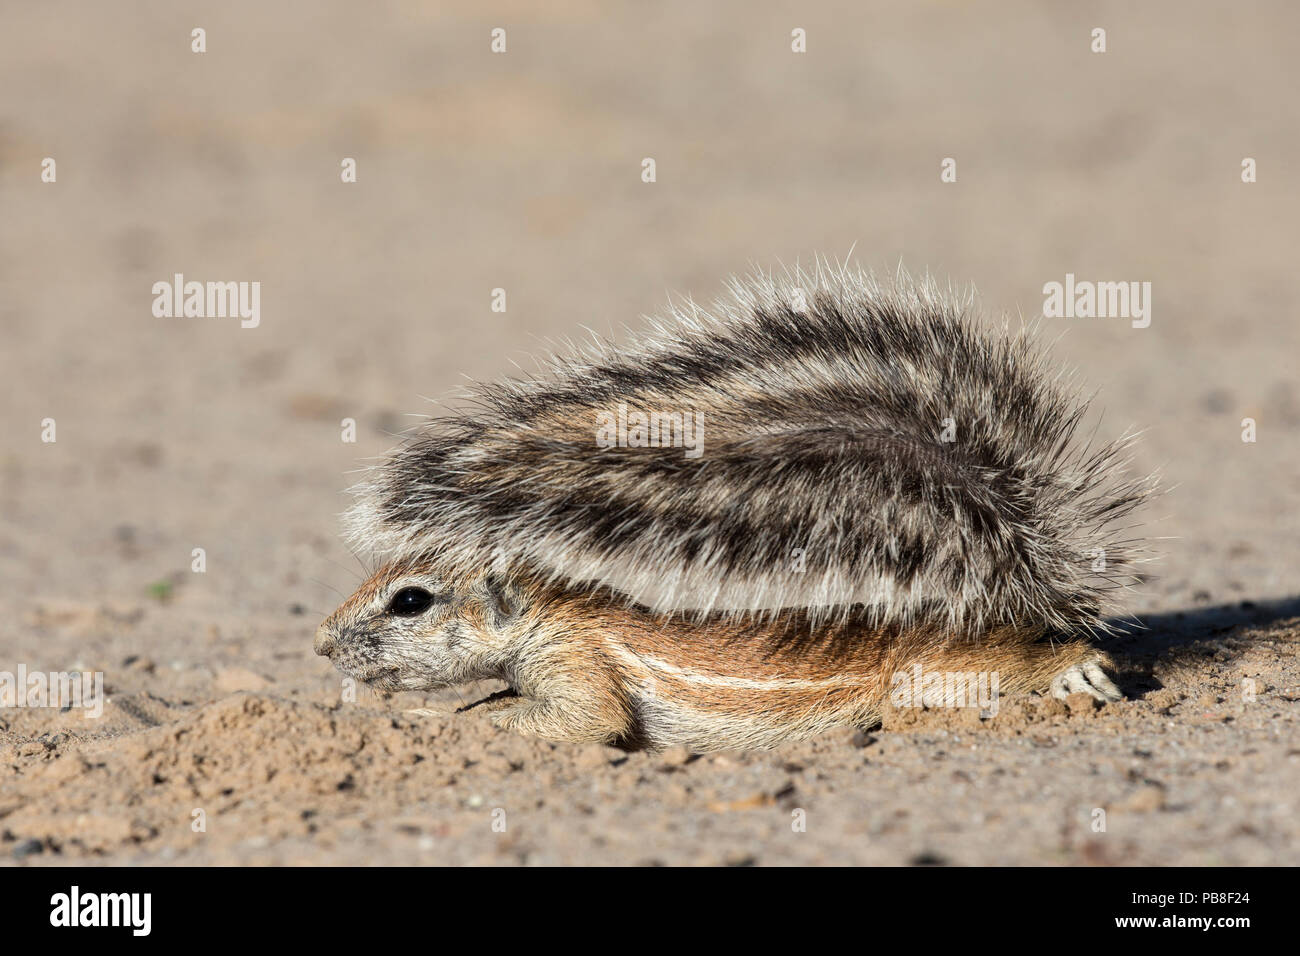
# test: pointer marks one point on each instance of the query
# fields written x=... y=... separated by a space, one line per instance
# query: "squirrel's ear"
x=504 y=601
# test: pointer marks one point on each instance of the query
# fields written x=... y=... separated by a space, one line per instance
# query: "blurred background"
x=522 y=171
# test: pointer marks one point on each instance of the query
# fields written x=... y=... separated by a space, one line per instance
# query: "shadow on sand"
x=1177 y=636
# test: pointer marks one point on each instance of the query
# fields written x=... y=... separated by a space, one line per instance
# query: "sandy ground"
x=522 y=171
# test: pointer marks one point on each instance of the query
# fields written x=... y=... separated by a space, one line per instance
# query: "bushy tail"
x=816 y=441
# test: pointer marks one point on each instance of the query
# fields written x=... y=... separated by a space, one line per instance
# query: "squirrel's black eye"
x=409 y=602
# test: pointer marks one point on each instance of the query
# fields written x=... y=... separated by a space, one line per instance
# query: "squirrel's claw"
x=1086 y=678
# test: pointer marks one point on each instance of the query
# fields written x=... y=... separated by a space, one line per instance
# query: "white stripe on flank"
x=646 y=662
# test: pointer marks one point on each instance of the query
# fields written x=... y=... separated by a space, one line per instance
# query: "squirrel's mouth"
x=383 y=677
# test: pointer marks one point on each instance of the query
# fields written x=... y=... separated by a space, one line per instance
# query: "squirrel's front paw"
x=555 y=720
x=522 y=716
x=1086 y=678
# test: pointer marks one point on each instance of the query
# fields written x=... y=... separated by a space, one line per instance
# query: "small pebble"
x=675 y=757
x=28 y=848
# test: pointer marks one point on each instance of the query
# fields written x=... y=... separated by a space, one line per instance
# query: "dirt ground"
x=224 y=739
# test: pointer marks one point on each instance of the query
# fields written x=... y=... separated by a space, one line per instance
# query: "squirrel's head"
x=406 y=628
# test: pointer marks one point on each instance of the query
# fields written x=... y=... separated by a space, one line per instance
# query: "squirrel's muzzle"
x=324 y=643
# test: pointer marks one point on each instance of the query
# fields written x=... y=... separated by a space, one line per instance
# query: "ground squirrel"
x=743 y=527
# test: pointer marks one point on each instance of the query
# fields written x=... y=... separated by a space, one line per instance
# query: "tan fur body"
x=590 y=670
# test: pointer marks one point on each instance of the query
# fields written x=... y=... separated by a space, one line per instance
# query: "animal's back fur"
x=824 y=484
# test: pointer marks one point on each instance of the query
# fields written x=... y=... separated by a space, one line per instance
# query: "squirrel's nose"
x=324 y=642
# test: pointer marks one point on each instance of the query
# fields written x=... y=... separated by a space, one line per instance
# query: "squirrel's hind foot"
x=1086 y=677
